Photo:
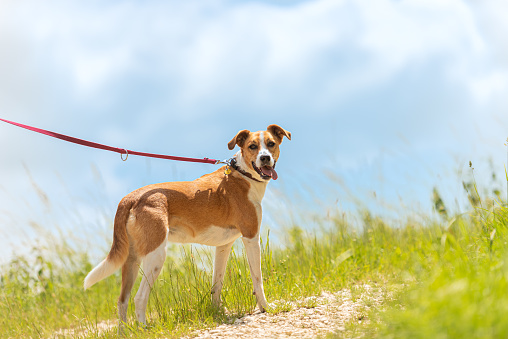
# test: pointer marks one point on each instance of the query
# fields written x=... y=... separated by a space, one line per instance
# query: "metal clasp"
x=227 y=162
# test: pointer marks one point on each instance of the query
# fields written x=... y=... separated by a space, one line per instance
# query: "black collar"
x=234 y=165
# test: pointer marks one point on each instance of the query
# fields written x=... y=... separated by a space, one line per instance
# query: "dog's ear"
x=239 y=139
x=278 y=132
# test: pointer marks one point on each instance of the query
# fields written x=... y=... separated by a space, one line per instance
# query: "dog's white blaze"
x=212 y=236
x=263 y=151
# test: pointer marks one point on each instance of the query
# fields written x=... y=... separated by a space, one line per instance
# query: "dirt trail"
x=309 y=318
x=326 y=313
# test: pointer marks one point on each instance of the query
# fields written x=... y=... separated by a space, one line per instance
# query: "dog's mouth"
x=266 y=172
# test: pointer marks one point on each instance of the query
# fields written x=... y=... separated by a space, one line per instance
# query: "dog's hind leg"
x=219 y=267
x=152 y=266
x=129 y=273
x=253 y=249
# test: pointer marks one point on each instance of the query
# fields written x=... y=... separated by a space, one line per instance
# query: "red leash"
x=122 y=151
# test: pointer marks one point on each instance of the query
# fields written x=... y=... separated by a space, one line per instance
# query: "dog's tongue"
x=270 y=171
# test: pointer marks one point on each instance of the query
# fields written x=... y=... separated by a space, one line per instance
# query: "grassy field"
x=448 y=275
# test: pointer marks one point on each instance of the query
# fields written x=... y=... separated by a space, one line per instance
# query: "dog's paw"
x=264 y=307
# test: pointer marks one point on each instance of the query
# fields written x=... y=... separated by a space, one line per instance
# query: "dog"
x=215 y=210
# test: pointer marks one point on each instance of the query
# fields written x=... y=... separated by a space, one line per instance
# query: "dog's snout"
x=264 y=158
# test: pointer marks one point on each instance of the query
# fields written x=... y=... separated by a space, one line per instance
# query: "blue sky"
x=390 y=98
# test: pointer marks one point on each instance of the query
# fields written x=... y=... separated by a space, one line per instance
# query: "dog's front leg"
x=253 y=250
x=219 y=268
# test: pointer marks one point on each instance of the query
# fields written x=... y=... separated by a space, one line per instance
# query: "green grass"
x=462 y=284
x=453 y=274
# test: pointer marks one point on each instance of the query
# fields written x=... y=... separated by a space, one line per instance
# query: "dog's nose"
x=264 y=158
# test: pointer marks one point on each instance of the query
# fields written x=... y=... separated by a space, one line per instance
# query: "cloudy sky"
x=385 y=100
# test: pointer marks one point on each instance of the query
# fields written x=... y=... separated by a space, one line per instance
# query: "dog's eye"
x=271 y=144
x=253 y=147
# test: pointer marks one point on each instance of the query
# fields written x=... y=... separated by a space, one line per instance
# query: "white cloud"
x=253 y=51
x=487 y=86
x=200 y=59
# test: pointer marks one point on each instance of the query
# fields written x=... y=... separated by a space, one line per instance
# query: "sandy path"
x=309 y=318
x=326 y=313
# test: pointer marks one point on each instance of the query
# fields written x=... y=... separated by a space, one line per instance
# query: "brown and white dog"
x=213 y=210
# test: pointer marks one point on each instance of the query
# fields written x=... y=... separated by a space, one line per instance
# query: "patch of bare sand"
x=309 y=318
x=319 y=315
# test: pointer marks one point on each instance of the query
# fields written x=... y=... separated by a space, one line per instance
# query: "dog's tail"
x=119 y=250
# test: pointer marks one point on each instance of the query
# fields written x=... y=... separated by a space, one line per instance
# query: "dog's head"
x=259 y=151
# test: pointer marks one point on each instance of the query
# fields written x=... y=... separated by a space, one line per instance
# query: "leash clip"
x=227 y=162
